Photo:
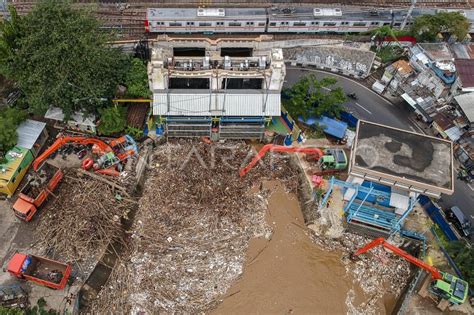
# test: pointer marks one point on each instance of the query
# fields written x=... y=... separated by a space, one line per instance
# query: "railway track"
x=128 y=18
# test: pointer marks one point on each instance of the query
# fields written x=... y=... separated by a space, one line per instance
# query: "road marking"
x=470 y=187
x=326 y=88
x=368 y=111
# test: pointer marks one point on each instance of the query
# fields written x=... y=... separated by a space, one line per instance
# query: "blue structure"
x=447 y=78
x=361 y=210
x=332 y=127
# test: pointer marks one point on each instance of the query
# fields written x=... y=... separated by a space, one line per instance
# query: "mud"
x=289 y=273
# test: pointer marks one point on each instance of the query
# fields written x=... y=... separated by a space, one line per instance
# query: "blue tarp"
x=331 y=126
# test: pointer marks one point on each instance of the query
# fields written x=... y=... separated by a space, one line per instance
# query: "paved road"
x=372 y=107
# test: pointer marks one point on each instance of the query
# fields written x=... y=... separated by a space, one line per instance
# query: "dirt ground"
x=288 y=273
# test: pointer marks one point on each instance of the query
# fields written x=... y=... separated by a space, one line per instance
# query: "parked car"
x=459 y=220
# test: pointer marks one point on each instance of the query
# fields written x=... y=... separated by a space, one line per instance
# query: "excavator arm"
x=435 y=274
x=104 y=147
x=278 y=148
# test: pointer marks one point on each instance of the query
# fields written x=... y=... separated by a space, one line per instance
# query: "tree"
x=10 y=118
x=310 y=97
x=64 y=59
x=136 y=80
x=427 y=27
x=112 y=120
x=464 y=258
x=11 y=32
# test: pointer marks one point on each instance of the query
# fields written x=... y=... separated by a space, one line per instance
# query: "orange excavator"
x=334 y=159
x=122 y=147
x=444 y=285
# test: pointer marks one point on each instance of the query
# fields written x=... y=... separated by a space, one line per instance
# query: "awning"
x=409 y=100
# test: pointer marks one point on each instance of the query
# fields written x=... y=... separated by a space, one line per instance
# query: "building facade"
x=221 y=90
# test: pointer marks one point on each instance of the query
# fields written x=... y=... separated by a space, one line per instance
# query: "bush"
x=112 y=120
x=10 y=118
x=134 y=132
x=463 y=256
x=137 y=80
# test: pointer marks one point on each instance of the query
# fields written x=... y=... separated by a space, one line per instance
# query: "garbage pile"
x=83 y=219
x=378 y=272
x=192 y=228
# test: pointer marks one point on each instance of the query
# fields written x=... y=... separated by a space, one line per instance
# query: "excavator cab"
x=450 y=288
x=333 y=159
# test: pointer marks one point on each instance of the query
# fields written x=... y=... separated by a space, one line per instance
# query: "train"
x=283 y=20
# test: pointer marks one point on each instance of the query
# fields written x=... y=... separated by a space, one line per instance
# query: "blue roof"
x=332 y=127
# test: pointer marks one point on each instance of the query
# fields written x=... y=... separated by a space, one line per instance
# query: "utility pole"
x=410 y=10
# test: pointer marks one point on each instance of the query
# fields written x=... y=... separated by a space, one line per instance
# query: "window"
x=160 y=23
x=386 y=23
x=284 y=23
x=175 y=24
x=249 y=23
x=374 y=23
x=397 y=24
x=344 y=23
x=299 y=24
x=273 y=24
x=359 y=24
x=220 y=23
x=189 y=23
x=205 y=24
x=235 y=24
x=261 y=24
x=314 y=23
x=329 y=24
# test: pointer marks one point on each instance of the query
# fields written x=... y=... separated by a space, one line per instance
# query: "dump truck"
x=36 y=190
x=43 y=271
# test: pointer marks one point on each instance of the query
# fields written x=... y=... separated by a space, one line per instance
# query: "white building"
x=217 y=89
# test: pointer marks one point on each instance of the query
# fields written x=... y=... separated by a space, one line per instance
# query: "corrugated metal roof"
x=235 y=103
x=28 y=132
x=465 y=70
x=56 y=113
x=466 y=102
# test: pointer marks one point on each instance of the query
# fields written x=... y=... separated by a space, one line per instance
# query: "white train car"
x=206 y=20
x=331 y=20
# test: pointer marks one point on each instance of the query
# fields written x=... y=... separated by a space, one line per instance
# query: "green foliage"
x=63 y=60
x=112 y=120
x=134 y=132
x=11 y=32
x=310 y=97
x=41 y=302
x=136 y=80
x=427 y=27
x=10 y=118
x=389 y=53
x=10 y=311
x=463 y=256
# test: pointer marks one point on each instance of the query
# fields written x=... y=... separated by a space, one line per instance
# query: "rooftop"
x=465 y=69
x=56 y=113
x=401 y=157
x=443 y=121
x=14 y=157
x=402 y=66
x=29 y=132
x=466 y=102
x=437 y=51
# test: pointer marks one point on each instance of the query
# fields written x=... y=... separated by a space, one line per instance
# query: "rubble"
x=83 y=218
x=192 y=228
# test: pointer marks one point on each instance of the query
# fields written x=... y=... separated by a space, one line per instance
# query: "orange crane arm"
x=277 y=148
x=417 y=262
x=64 y=140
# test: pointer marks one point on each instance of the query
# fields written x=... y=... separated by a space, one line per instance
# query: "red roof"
x=465 y=70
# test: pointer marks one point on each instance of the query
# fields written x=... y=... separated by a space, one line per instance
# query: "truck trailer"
x=43 y=271
x=36 y=191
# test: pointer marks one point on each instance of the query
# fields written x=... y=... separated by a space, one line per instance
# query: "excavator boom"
x=435 y=274
x=277 y=148
x=104 y=147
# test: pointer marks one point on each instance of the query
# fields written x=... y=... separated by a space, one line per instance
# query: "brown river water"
x=289 y=273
